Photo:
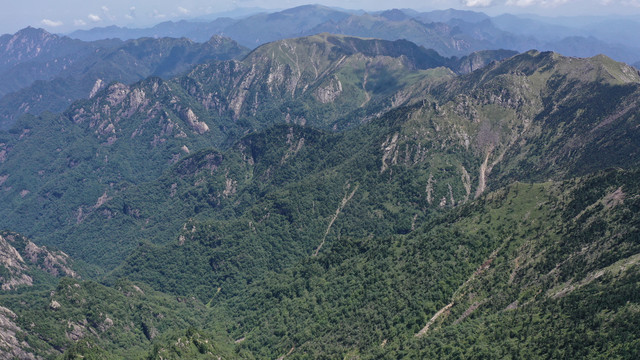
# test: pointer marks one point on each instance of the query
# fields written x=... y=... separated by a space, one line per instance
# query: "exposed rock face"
x=10 y=346
x=20 y=257
x=390 y=154
x=76 y=331
x=55 y=263
x=14 y=265
x=99 y=84
x=330 y=92
x=198 y=126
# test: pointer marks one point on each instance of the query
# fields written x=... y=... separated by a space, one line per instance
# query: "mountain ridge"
x=331 y=196
x=451 y=32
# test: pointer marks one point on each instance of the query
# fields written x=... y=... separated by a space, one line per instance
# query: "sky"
x=64 y=16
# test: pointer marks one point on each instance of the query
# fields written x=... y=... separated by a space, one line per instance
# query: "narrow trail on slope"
x=287 y=354
x=481 y=269
x=343 y=203
x=433 y=319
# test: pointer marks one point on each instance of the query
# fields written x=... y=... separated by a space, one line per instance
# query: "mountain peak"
x=597 y=68
x=309 y=7
x=394 y=15
x=33 y=33
x=616 y=72
x=547 y=64
x=26 y=44
x=335 y=46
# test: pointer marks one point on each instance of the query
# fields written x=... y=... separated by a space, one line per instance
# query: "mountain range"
x=450 y=32
x=62 y=70
x=324 y=196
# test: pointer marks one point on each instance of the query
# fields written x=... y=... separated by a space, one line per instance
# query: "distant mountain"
x=427 y=29
x=450 y=32
x=263 y=28
x=34 y=54
x=587 y=47
x=250 y=31
x=199 y=31
x=540 y=30
x=438 y=36
x=575 y=36
x=394 y=15
x=129 y=62
x=445 y=16
x=36 y=44
x=616 y=31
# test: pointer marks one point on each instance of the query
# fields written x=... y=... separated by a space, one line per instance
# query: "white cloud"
x=477 y=3
x=157 y=15
x=78 y=22
x=183 y=11
x=107 y=13
x=521 y=2
x=94 y=17
x=543 y=3
x=51 y=23
x=529 y=3
x=132 y=13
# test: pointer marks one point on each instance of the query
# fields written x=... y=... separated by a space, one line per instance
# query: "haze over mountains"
x=388 y=185
x=450 y=32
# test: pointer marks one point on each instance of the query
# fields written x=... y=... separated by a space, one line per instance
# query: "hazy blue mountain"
x=578 y=36
x=262 y=28
x=200 y=31
x=450 y=32
x=445 y=16
x=541 y=30
x=34 y=54
x=616 y=31
x=31 y=44
x=590 y=46
x=249 y=31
